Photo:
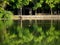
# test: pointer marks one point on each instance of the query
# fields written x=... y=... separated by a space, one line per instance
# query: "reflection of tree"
x=26 y=36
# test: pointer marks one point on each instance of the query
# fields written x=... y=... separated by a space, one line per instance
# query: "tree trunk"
x=37 y=15
x=30 y=12
x=51 y=11
x=21 y=17
x=51 y=14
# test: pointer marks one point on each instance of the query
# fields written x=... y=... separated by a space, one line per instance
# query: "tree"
x=18 y=3
x=52 y=3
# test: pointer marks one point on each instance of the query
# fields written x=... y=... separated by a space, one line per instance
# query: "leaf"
x=50 y=39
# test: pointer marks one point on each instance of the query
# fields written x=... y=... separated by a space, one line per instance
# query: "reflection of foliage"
x=34 y=36
x=24 y=34
x=52 y=35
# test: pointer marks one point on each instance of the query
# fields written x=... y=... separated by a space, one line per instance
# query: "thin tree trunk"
x=30 y=12
x=21 y=18
x=51 y=11
x=58 y=12
x=36 y=14
x=51 y=19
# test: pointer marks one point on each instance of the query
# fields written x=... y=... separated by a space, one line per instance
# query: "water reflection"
x=31 y=33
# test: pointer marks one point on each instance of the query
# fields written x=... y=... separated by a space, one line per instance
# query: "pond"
x=31 y=32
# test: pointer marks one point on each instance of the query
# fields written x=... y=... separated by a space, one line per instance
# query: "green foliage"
x=1 y=25
x=15 y=3
x=24 y=36
x=3 y=3
x=18 y=3
x=6 y=16
x=50 y=3
x=25 y=2
x=37 y=3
